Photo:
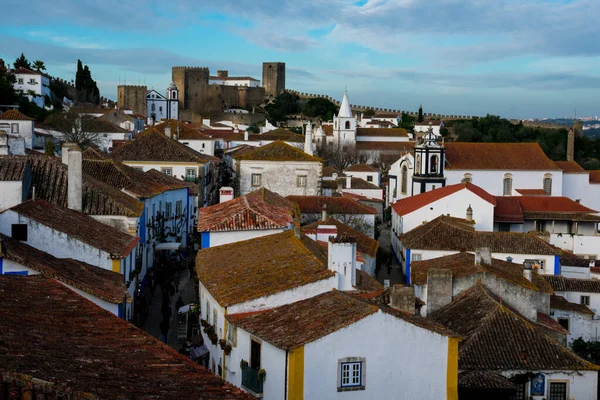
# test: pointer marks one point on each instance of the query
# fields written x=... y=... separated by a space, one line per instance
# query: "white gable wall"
x=492 y=181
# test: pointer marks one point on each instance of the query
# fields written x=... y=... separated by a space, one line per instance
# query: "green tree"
x=253 y=128
x=8 y=94
x=39 y=66
x=420 y=119
x=320 y=107
x=49 y=147
x=284 y=105
x=87 y=89
x=21 y=62
x=407 y=122
x=587 y=350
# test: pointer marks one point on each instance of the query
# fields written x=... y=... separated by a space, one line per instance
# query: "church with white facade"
x=159 y=107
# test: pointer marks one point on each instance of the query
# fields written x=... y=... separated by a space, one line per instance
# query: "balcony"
x=251 y=381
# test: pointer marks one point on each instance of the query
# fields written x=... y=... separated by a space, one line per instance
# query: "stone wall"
x=273 y=79
x=132 y=97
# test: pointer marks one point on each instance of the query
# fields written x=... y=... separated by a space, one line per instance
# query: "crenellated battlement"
x=133 y=86
x=183 y=68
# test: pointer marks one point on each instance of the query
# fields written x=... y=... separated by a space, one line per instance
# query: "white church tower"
x=344 y=124
x=172 y=101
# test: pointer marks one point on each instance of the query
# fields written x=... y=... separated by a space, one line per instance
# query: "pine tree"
x=22 y=62
x=420 y=119
x=49 y=148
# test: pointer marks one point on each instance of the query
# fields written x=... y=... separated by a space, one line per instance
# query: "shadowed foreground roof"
x=49 y=333
x=560 y=303
x=79 y=226
x=483 y=380
x=99 y=282
x=498 y=338
x=243 y=271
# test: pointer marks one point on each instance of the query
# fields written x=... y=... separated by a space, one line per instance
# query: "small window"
x=416 y=257
x=351 y=374
x=167 y=171
x=548 y=184
x=215 y=314
x=231 y=334
x=174 y=95
x=507 y=185
x=255 y=355
x=14 y=128
x=301 y=181
x=503 y=227
x=347 y=124
x=434 y=164
x=558 y=391
x=178 y=207
x=564 y=322
x=190 y=174
x=153 y=107
x=32 y=81
x=19 y=232
x=160 y=109
x=540 y=226
x=369 y=178
x=20 y=81
x=585 y=300
x=207 y=311
x=168 y=209
x=256 y=180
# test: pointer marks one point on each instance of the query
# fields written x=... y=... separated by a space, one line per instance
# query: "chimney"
x=528 y=271
x=439 y=289
x=483 y=255
x=74 y=178
x=348 y=181
x=246 y=136
x=65 y=153
x=225 y=194
x=403 y=298
x=571 y=144
x=324 y=232
x=308 y=148
x=3 y=144
x=222 y=74
x=340 y=187
x=470 y=214
x=168 y=131
x=342 y=260
x=324 y=212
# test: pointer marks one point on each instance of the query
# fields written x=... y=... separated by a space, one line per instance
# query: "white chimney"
x=245 y=135
x=308 y=148
x=348 y=182
x=324 y=212
x=528 y=271
x=342 y=260
x=469 y=214
x=168 y=131
x=483 y=255
x=206 y=121
x=225 y=194
x=74 y=179
x=65 y=153
x=324 y=232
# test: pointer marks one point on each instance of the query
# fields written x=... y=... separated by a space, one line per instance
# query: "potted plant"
x=262 y=374
x=213 y=337
x=227 y=349
x=222 y=343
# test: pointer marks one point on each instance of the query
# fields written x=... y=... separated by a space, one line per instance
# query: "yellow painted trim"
x=116 y=265
x=296 y=374
x=452 y=372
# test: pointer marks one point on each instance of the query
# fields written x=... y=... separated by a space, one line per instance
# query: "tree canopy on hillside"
x=320 y=107
x=285 y=104
x=21 y=62
x=87 y=89
x=8 y=94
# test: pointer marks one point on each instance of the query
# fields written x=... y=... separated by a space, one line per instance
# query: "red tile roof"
x=594 y=176
x=24 y=70
x=357 y=183
x=329 y=171
x=381 y=132
x=328 y=129
x=385 y=146
x=14 y=115
x=364 y=244
x=361 y=198
x=508 y=209
x=66 y=345
x=98 y=282
x=497 y=156
x=13 y=169
x=94 y=153
x=413 y=203
x=560 y=303
x=570 y=167
x=276 y=151
x=79 y=226
x=243 y=271
x=250 y=212
x=172 y=182
x=517 y=209
x=555 y=204
x=532 y=192
x=335 y=205
x=361 y=168
x=485 y=380
x=185 y=131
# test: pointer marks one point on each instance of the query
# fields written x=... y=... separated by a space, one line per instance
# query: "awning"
x=168 y=246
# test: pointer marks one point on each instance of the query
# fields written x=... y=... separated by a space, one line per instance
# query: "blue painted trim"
x=24 y=273
x=407 y=273
x=187 y=214
x=205 y=240
x=120 y=310
x=1 y=264
x=142 y=232
x=556 y=265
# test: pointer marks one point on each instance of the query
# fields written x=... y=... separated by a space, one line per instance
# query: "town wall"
x=132 y=97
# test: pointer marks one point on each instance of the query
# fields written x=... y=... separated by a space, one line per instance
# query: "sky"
x=513 y=58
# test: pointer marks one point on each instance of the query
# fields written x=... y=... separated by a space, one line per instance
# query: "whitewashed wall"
x=581 y=384
x=11 y=194
x=201 y=146
x=221 y=238
x=492 y=181
x=375 y=176
x=280 y=177
x=580 y=245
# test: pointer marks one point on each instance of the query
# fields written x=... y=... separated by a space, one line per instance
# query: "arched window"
x=467 y=178
x=548 y=184
x=153 y=108
x=403 y=179
x=434 y=164
x=507 y=185
x=347 y=124
x=174 y=95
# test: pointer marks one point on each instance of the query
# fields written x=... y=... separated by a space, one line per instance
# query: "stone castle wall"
x=273 y=79
x=132 y=97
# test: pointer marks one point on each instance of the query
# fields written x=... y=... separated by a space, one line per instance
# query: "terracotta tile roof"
x=14 y=115
x=328 y=129
x=381 y=132
x=360 y=198
x=357 y=183
x=239 y=150
x=94 y=153
x=116 y=117
x=366 y=283
x=386 y=146
x=79 y=226
x=335 y=205
x=463 y=264
x=277 y=151
x=453 y=234
x=570 y=167
x=101 y=126
x=259 y=267
x=151 y=145
x=545 y=321
x=499 y=338
x=171 y=182
x=49 y=177
x=556 y=204
x=497 y=156
x=296 y=324
x=532 y=192
x=279 y=134
x=24 y=70
x=99 y=282
x=409 y=204
x=483 y=380
x=361 y=168
x=185 y=131
x=328 y=171
x=254 y=211
x=595 y=176
x=50 y=335
x=560 y=303
x=508 y=209
x=562 y=284
x=595 y=270
x=364 y=244
x=13 y=169
x=120 y=176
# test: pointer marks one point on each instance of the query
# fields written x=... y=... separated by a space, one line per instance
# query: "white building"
x=364 y=171
x=223 y=78
x=577 y=318
x=579 y=184
x=190 y=135
x=280 y=168
x=34 y=85
x=17 y=124
x=159 y=107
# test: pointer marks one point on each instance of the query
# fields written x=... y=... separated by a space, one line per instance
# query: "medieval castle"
x=199 y=95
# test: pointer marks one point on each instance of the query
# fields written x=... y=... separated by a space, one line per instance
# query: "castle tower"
x=273 y=79
x=430 y=157
x=132 y=97
x=191 y=83
x=344 y=124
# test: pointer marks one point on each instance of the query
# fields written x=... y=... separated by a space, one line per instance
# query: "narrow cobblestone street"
x=392 y=272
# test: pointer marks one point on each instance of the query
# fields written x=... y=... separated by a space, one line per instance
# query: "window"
x=168 y=209
x=153 y=107
x=32 y=81
x=540 y=226
x=255 y=354
x=19 y=232
x=174 y=95
x=207 y=311
x=347 y=124
x=403 y=179
x=160 y=109
x=585 y=300
x=507 y=185
x=178 y=207
x=548 y=184
x=215 y=317
x=14 y=128
x=434 y=164
x=167 y=171
x=231 y=333
x=351 y=374
x=418 y=163
x=503 y=227
x=190 y=174
x=520 y=392
x=369 y=178
x=20 y=81
x=301 y=181
x=256 y=180
x=416 y=257
x=558 y=391
x=564 y=322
